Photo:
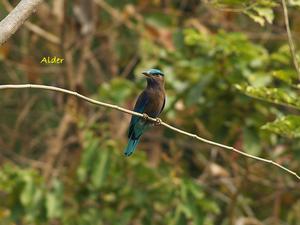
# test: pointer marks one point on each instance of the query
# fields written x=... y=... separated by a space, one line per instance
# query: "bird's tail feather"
x=132 y=143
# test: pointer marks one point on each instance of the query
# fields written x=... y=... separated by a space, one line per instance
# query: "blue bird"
x=151 y=102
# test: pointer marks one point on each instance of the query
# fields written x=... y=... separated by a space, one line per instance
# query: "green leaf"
x=266 y=13
x=193 y=37
x=91 y=148
x=288 y=76
x=294 y=2
x=282 y=55
x=256 y=18
x=274 y=95
x=288 y=126
x=260 y=15
x=259 y=79
x=28 y=192
x=54 y=200
x=101 y=168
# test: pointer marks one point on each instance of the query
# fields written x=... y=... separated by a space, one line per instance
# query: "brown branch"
x=289 y=34
x=92 y=101
x=11 y=23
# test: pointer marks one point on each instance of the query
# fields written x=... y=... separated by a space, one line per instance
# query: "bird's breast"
x=155 y=103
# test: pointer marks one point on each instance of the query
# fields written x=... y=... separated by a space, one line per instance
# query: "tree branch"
x=10 y=24
x=34 y=28
x=45 y=87
x=289 y=34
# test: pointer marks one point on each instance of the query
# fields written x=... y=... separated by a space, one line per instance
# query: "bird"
x=150 y=103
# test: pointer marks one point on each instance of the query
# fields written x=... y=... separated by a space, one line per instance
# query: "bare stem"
x=289 y=34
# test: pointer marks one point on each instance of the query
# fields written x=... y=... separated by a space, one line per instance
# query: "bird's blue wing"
x=140 y=105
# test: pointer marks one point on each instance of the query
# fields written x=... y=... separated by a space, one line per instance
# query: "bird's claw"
x=158 y=121
x=145 y=116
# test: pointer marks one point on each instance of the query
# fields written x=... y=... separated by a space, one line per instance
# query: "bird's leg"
x=158 y=121
x=145 y=116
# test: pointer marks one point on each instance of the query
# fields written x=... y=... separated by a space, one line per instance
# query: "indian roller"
x=150 y=102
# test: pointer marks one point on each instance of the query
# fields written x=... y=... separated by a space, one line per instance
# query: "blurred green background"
x=229 y=78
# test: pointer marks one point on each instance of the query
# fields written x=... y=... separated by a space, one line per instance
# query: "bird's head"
x=154 y=75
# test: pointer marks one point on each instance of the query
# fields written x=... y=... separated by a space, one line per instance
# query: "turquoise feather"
x=131 y=146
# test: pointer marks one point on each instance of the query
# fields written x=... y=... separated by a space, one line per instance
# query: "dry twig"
x=45 y=87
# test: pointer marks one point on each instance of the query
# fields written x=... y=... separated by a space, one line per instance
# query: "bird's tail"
x=132 y=143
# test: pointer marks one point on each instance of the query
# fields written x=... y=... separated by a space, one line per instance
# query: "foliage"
x=288 y=126
x=26 y=198
x=260 y=11
x=95 y=194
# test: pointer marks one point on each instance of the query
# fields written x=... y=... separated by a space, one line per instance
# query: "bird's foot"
x=158 y=121
x=145 y=116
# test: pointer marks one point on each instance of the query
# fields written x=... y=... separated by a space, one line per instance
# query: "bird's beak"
x=145 y=73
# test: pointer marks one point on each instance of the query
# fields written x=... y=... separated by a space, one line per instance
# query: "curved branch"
x=289 y=34
x=11 y=23
x=45 y=87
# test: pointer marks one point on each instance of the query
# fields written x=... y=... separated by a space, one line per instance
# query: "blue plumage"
x=131 y=146
x=151 y=102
